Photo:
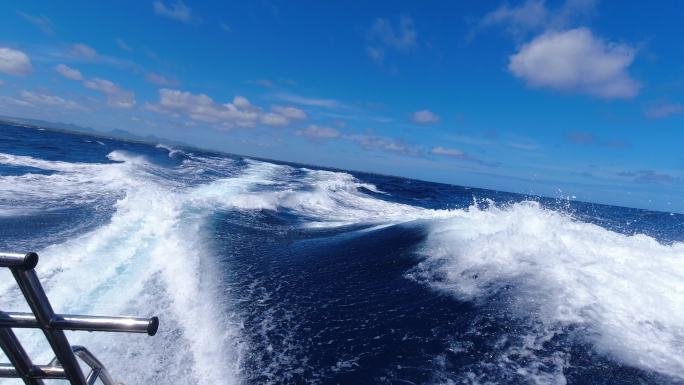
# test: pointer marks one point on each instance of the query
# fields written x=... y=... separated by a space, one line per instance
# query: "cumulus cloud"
x=384 y=35
x=200 y=107
x=290 y=112
x=318 y=132
x=116 y=97
x=176 y=11
x=576 y=61
x=14 y=62
x=664 y=110
x=425 y=117
x=274 y=120
x=161 y=80
x=451 y=152
x=44 y=100
x=68 y=72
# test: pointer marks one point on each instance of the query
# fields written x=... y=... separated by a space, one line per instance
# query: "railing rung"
x=83 y=322
x=47 y=372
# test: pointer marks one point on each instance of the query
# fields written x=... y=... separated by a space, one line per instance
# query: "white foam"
x=626 y=291
x=173 y=152
x=148 y=259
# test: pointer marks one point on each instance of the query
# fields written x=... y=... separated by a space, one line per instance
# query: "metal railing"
x=65 y=365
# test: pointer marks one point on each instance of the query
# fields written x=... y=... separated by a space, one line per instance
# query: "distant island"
x=75 y=129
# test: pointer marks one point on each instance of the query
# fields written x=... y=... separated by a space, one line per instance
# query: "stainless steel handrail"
x=83 y=322
x=42 y=316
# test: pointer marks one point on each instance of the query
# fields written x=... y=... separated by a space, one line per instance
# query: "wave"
x=623 y=291
x=149 y=258
x=173 y=152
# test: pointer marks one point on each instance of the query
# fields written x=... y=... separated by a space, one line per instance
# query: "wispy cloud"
x=290 y=112
x=450 y=152
x=533 y=16
x=122 y=44
x=46 y=100
x=372 y=142
x=580 y=137
x=384 y=35
x=589 y=139
x=68 y=72
x=116 y=96
x=461 y=155
x=176 y=11
x=41 y=22
x=308 y=101
x=84 y=51
x=576 y=61
x=647 y=176
x=425 y=117
x=316 y=132
x=14 y=62
x=664 y=110
x=161 y=80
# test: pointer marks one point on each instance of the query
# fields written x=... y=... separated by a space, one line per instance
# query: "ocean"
x=265 y=272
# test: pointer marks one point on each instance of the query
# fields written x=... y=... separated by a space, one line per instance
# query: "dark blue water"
x=272 y=273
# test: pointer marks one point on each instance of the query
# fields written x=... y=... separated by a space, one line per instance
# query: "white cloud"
x=425 y=117
x=318 y=132
x=122 y=44
x=382 y=35
x=529 y=15
x=83 y=51
x=664 y=110
x=454 y=153
x=161 y=80
x=45 y=100
x=275 y=120
x=576 y=61
x=535 y=16
x=290 y=112
x=243 y=102
x=315 y=102
x=69 y=72
x=176 y=11
x=200 y=107
x=371 y=142
x=116 y=97
x=14 y=62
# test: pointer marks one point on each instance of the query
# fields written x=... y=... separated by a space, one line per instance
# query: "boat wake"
x=149 y=255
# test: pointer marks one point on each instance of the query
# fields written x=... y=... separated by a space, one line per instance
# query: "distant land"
x=72 y=128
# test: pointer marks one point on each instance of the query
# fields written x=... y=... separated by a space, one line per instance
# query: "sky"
x=574 y=99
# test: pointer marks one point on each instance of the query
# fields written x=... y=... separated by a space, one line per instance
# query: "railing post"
x=17 y=356
x=40 y=306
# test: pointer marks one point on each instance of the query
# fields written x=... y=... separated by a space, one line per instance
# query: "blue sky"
x=575 y=98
